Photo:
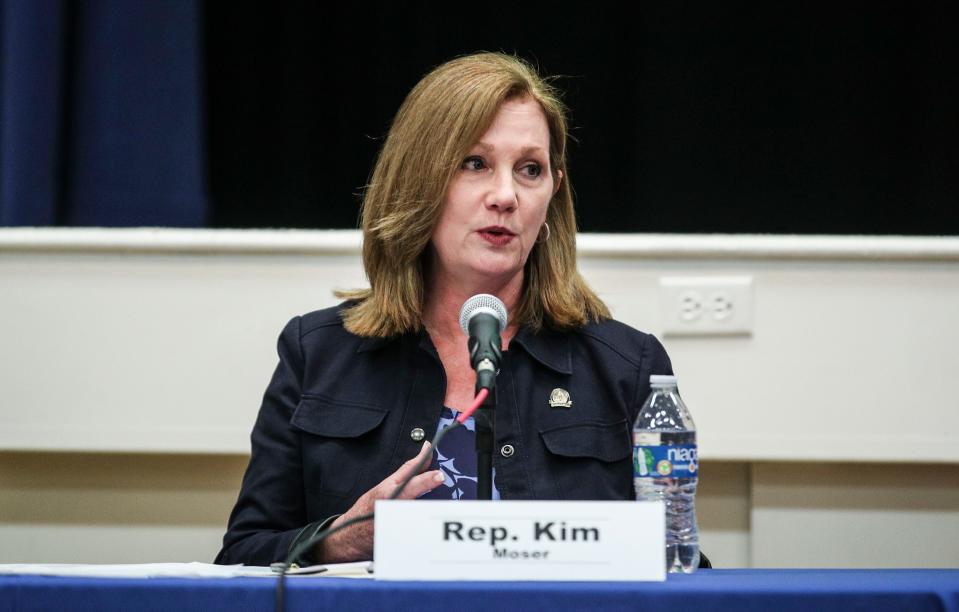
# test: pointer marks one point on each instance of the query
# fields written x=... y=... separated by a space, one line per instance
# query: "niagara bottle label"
x=674 y=461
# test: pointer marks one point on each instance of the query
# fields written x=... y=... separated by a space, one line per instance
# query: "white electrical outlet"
x=706 y=305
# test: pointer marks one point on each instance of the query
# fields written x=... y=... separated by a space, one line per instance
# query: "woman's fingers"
x=422 y=483
x=356 y=542
x=409 y=468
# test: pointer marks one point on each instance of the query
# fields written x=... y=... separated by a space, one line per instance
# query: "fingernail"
x=439 y=477
x=425 y=446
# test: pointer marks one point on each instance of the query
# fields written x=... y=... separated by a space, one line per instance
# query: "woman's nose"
x=502 y=194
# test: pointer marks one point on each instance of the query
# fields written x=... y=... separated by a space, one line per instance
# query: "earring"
x=538 y=239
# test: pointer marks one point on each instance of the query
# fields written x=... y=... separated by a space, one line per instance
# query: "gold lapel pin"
x=559 y=398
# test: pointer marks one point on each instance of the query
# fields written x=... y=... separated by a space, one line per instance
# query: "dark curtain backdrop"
x=708 y=117
x=101 y=113
x=689 y=117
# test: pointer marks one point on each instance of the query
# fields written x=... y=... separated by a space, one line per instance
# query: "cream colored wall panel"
x=722 y=511
x=163 y=340
x=133 y=341
x=45 y=543
x=847 y=515
x=837 y=351
x=147 y=352
x=111 y=508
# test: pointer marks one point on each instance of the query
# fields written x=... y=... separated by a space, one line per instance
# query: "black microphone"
x=482 y=318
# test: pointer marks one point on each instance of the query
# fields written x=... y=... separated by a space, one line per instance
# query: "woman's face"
x=497 y=201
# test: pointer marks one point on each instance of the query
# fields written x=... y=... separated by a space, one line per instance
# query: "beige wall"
x=123 y=508
x=114 y=508
x=884 y=515
x=132 y=363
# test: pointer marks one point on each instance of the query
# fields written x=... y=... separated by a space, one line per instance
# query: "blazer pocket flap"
x=604 y=441
x=325 y=417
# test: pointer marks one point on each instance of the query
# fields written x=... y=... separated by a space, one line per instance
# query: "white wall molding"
x=632 y=246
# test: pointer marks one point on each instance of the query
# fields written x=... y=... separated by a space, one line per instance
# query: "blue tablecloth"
x=872 y=590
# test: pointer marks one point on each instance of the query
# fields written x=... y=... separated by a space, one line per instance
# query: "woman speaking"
x=470 y=194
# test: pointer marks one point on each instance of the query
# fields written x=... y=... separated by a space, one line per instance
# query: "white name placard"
x=519 y=540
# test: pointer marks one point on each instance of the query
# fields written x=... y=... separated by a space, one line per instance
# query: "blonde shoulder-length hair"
x=444 y=115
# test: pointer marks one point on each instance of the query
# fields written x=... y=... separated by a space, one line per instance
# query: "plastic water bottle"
x=666 y=467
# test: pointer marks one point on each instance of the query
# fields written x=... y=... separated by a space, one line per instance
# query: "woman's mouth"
x=497 y=235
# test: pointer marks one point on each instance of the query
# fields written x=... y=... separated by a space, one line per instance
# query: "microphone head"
x=482 y=303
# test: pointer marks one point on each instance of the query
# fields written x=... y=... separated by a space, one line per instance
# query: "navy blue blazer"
x=338 y=414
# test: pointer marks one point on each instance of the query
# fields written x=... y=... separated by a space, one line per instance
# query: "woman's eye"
x=532 y=170
x=473 y=163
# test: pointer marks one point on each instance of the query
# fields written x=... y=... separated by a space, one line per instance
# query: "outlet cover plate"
x=706 y=305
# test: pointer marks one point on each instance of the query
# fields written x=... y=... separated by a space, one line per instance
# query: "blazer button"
x=507 y=450
x=417 y=434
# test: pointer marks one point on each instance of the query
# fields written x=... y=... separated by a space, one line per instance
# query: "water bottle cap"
x=662 y=380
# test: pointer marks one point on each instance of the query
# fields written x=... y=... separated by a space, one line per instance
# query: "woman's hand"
x=355 y=543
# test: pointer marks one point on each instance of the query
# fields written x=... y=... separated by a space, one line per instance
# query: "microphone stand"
x=483 y=418
x=483 y=325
